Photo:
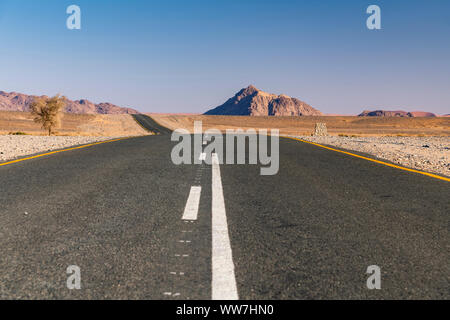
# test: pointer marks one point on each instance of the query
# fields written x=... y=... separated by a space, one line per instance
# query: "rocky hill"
x=398 y=113
x=253 y=102
x=21 y=102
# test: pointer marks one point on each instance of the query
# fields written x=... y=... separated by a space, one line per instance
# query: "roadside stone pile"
x=321 y=129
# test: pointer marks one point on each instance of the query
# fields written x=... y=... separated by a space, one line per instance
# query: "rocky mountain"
x=399 y=113
x=253 y=102
x=422 y=114
x=21 y=102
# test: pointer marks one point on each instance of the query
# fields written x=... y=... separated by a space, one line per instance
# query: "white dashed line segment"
x=193 y=201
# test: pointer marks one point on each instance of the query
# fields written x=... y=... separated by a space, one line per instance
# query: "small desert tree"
x=47 y=111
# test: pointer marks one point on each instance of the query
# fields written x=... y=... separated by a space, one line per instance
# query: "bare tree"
x=47 y=111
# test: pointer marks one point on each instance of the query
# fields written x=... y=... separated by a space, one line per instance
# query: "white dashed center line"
x=193 y=201
x=223 y=277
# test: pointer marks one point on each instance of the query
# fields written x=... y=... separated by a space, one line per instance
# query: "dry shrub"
x=47 y=111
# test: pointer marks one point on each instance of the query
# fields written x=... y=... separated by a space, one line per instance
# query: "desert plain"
x=418 y=143
x=72 y=124
x=336 y=125
x=21 y=136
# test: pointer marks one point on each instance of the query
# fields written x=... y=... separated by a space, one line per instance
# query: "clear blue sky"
x=189 y=56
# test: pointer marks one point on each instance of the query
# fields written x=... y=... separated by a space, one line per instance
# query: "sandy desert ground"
x=359 y=126
x=75 y=129
x=418 y=143
x=106 y=125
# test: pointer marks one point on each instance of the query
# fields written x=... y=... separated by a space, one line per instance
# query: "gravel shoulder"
x=12 y=147
x=431 y=154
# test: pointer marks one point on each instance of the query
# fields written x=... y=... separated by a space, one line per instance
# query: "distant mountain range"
x=399 y=113
x=253 y=102
x=21 y=102
x=247 y=102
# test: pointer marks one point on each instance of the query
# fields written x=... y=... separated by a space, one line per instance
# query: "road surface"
x=116 y=211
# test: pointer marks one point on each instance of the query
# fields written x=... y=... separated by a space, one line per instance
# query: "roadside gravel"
x=12 y=147
x=431 y=154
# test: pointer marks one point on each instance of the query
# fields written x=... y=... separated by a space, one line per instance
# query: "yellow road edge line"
x=373 y=160
x=62 y=150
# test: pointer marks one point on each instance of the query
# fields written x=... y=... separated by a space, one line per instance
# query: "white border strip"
x=223 y=278
x=193 y=201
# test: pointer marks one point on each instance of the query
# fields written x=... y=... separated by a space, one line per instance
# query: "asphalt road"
x=309 y=232
x=150 y=124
